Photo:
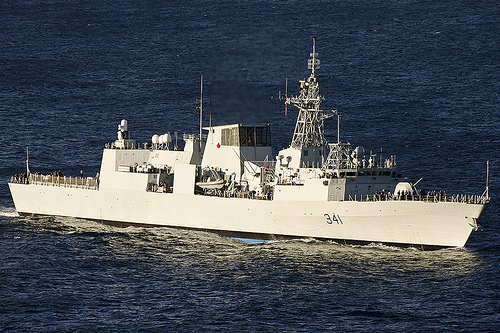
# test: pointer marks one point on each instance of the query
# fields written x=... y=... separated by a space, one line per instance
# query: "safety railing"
x=89 y=183
x=458 y=198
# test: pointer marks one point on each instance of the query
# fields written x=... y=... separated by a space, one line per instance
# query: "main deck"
x=92 y=183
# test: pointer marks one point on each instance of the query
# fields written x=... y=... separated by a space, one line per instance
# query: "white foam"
x=8 y=211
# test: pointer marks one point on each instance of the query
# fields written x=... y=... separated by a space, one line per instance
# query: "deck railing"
x=459 y=198
x=92 y=183
x=89 y=183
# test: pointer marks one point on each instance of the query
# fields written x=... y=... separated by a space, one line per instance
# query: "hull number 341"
x=333 y=218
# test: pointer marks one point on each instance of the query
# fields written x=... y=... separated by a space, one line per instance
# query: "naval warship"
x=226 y=181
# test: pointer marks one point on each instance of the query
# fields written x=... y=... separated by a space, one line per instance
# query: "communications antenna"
x=309 y=129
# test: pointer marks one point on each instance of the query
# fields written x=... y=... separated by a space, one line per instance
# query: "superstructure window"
x=246 y=136
x=263 y=136
x=230 y=137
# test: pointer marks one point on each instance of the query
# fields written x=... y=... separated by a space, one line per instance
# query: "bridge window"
x=230 y=137
x=246 y=136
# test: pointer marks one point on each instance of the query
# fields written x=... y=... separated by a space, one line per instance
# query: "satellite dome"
x=359 y=152
x=167 y=138
x=124 y=124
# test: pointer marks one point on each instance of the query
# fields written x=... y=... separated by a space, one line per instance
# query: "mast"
x=201 y=107
x=487 y=179
x=309 y=130
x=210 y=118
x=486 y=194
x=27 y=162
x=338 y=129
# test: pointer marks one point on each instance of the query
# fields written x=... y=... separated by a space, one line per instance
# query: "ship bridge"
x=229 y=146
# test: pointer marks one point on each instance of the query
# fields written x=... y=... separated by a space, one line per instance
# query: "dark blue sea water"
x=419 y=78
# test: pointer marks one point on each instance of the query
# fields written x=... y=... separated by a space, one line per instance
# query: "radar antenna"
x=309 y=129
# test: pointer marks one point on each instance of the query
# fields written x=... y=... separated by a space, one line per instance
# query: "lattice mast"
x=309 y=129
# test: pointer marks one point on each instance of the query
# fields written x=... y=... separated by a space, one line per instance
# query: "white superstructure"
x=227 y=181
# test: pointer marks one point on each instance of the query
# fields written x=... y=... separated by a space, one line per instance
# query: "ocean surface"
x=420 y=79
